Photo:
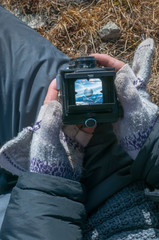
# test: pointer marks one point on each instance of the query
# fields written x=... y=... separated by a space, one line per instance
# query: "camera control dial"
x=90 y=122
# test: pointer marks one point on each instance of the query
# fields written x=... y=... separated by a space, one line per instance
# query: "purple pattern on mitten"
x=140 y=113
x=49 y=154
x=36 y=126
x=59 y=169
x=139 y=83
x=136 y=141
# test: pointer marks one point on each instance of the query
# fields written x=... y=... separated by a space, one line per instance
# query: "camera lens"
x=90 y=122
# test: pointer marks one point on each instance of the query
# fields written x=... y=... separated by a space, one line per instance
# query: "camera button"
x=90 y=122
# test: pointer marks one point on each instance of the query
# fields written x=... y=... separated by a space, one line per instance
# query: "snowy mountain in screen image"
x=88 y=92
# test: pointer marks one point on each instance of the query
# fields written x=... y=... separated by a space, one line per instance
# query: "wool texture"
x=125 y=216
x=16 y=155
x=140 y=114
x=51 y=152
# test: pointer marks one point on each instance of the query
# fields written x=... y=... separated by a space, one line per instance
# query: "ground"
x=73 y=27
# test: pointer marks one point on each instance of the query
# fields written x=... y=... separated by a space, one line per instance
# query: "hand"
x=56 y=149
x=140 y=113
x=45 y=148
x=108 y=61
x=78 y=133
x=47 y=153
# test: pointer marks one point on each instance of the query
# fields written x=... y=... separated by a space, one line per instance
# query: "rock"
x=110 y=32
x=33 y=20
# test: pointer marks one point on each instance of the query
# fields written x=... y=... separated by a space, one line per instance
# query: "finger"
x=75 y=132
x=51 y=93
x=84 y=135
x=108 y=61
x=86 y=129
x=83 y=138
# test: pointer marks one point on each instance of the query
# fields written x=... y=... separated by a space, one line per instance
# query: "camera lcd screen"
x=88 y=91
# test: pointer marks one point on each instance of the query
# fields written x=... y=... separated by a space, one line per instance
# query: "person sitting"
x=105 y=189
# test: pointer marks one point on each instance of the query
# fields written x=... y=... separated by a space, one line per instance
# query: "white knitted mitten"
x=15 y=154
x=140 y=113
x=51 y=151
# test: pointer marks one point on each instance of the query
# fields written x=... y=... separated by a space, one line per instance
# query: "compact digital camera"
x=88 y=93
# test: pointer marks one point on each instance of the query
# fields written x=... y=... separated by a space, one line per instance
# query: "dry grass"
x=73 y=28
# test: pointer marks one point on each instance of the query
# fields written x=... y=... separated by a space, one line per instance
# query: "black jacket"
x=44 y=207
x=28 y=63
x=48 y=207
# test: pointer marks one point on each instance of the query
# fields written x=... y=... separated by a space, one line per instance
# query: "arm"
x=140 y=114
x=137 y=131
x=44 y=207
x=28 y=63
x=49 y=196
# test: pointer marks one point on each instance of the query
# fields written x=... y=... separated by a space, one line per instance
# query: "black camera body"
x=88 y=93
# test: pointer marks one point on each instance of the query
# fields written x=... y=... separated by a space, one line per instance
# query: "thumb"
x=108 y=61
x=142 y=63
x=52 y=92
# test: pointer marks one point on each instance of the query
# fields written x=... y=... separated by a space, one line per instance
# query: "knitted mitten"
x=15 y=154
x=51 y=151
x=140 y=113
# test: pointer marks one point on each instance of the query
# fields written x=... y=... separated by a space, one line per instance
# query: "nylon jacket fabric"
x=108 y=171
x=28 y=63
x=45 y=203
x=44 y=207
x=146 y=166
x=106 y=167
x=51 y=206
x=4 y=200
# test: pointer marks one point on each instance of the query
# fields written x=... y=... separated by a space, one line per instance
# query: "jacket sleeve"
x=28 y=63
x=146 y=165
x=44 y=207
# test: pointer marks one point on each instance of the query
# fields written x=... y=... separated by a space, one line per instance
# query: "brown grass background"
x=73 y=28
